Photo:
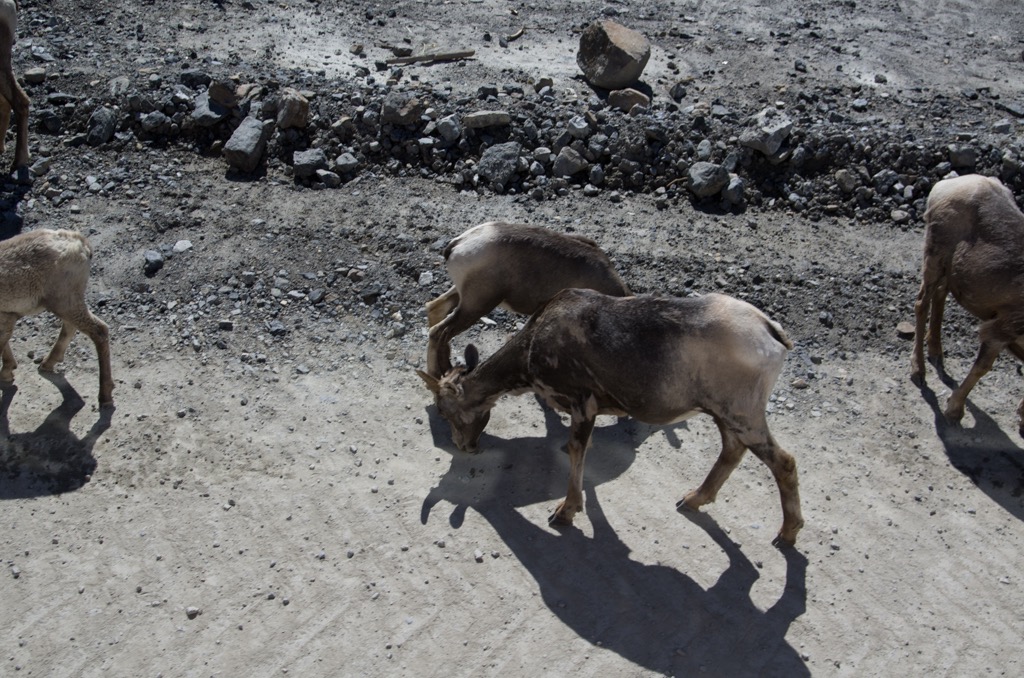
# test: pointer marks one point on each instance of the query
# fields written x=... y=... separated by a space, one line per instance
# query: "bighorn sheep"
x=974 y=248
x=657 y=359
x=12 y=96
x=515 y=266
x=48 y=270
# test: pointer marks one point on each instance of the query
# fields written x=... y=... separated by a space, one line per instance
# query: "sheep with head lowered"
x=974 y=249
x=46 y=270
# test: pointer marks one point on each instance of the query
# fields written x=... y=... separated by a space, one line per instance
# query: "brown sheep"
x=974 y=249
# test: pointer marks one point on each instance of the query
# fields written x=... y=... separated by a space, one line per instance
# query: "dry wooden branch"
x=433 y=57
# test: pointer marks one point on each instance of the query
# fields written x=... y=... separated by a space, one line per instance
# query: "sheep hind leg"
x=783 y=468
x=1016 y=349
x=60 y=347
x=7 y=321
x=728 y=460
x=97 y=330
x=993 y=340
x=927 y=300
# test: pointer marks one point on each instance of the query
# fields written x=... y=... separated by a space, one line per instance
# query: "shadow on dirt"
x=983 y=453
x=652 y=615
x=10 y=195
x=50 y=459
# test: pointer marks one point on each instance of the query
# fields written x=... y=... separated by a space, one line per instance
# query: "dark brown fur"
x=657 y=359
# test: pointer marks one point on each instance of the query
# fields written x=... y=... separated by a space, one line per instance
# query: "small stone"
x=192 y=612
x=478 y=556
x=905 y=330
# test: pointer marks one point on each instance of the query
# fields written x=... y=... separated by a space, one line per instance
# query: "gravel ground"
x=275 y=492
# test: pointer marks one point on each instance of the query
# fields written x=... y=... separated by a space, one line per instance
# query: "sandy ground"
x=295 y=506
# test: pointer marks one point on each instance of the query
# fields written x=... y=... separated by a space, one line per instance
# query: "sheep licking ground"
x=514 y=266
x=658 y=359
x=12 y=96
x=974 y=248
x=48 y=270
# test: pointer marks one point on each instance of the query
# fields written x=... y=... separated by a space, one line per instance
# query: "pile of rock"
x=812 y=151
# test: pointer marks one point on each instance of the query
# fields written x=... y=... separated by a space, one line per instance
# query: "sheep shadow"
x=654 y=616
x=13 y=189
x=51 y=459
x=984 y=453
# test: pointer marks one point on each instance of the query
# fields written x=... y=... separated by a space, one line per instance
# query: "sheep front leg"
x=583 y=420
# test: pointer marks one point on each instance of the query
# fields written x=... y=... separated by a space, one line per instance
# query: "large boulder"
x=612 y=56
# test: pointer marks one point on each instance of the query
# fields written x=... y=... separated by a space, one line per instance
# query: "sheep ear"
x=472 y=357
x=431 y=381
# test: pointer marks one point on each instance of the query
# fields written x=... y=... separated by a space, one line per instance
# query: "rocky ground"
x=275 y=493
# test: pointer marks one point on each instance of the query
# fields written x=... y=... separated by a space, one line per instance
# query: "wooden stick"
x=433 y=56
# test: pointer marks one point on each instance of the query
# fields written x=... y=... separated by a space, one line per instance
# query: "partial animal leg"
x=5 y=122
x=579 y=440
x=438 y=308
x=783 y=467
x=994 y=338
x=7 y=321
x=926 y=297
x=728 y=460
x=60 y=347
x=934 y=336
x=97 y=330
x=15 y=95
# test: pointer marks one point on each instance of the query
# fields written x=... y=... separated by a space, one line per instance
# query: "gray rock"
x=292 y=109
x=499 y=163
x=707 y=179
x=306 y=163
x=102 y=125
x=153 y=262
x=846 y=180
x=37 y=75
x=767 y=130
x=735 y=192
x=482 y=119
x=612 y=56
x=626 y=99
x=245 y=148
x=223 y=93
x=569 y=162
x=963 y=157
x=345 y=163
x=578 y=127
x=328 y=178
x=884 y=180
x=155 y=122
x=195 y=79
x=401 y=108
x=449 y=128
x=208 y=113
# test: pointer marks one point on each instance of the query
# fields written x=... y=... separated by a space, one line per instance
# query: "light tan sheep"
x=974 y=249
x=49 y=270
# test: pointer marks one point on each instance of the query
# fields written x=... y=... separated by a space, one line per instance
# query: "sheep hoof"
x=782 y=543
x=917 y=378
x=560 y=518
x=683 y=507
